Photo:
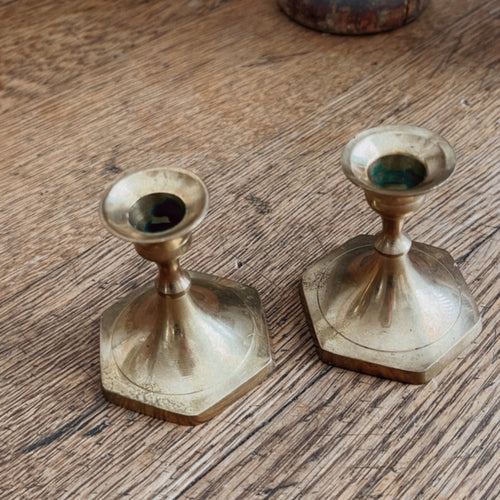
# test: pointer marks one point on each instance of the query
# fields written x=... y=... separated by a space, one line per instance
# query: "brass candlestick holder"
x=187 y=346
x=382 y=304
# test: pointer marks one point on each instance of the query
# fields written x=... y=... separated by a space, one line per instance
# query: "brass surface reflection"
x=382 y=304
x=186 y=346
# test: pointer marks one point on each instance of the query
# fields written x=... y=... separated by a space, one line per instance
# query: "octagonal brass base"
x=185 y=357
x=401 y=317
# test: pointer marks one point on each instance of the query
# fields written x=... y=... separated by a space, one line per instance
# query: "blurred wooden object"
x=353 y=17
x=261 y=109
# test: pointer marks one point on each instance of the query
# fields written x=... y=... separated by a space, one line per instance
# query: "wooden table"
x=261 y=109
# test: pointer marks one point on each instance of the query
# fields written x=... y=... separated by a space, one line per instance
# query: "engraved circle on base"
x=191 y=346
x=397 y=315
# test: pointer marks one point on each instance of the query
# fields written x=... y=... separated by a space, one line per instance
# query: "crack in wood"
x=72 y=426
x=474 y=247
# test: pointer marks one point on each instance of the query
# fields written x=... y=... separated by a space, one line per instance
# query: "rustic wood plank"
x=261 y=108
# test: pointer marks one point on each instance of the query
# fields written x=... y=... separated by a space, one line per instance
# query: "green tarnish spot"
x=397 y=172
x=157 y=212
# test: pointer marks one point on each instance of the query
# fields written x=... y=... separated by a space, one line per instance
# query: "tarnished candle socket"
x=188 y=345
x=382 y=304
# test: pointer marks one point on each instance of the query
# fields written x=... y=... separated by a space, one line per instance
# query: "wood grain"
x=260 y=108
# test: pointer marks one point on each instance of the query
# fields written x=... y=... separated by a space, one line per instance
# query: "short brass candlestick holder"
x=187 y=346
x=382 y=304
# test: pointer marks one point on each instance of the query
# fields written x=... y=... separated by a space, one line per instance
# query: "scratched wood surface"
x=261 y=109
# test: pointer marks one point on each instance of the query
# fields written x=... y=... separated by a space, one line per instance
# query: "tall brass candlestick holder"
x=382 y=304
x=187 y=346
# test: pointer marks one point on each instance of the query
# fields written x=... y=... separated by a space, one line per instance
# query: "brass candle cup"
x=382 y=304
x=185 y=347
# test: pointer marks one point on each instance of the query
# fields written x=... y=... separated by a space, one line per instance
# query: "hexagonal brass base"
x=184 y=358
x=403 y=318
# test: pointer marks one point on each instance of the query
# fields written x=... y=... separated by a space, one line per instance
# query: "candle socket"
x=187 y=345
x=382 y=304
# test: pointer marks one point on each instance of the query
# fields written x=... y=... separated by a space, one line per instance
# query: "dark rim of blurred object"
x=353 y=17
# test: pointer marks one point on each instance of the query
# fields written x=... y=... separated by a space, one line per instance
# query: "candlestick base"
x=400 y=317
x=184 y=358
